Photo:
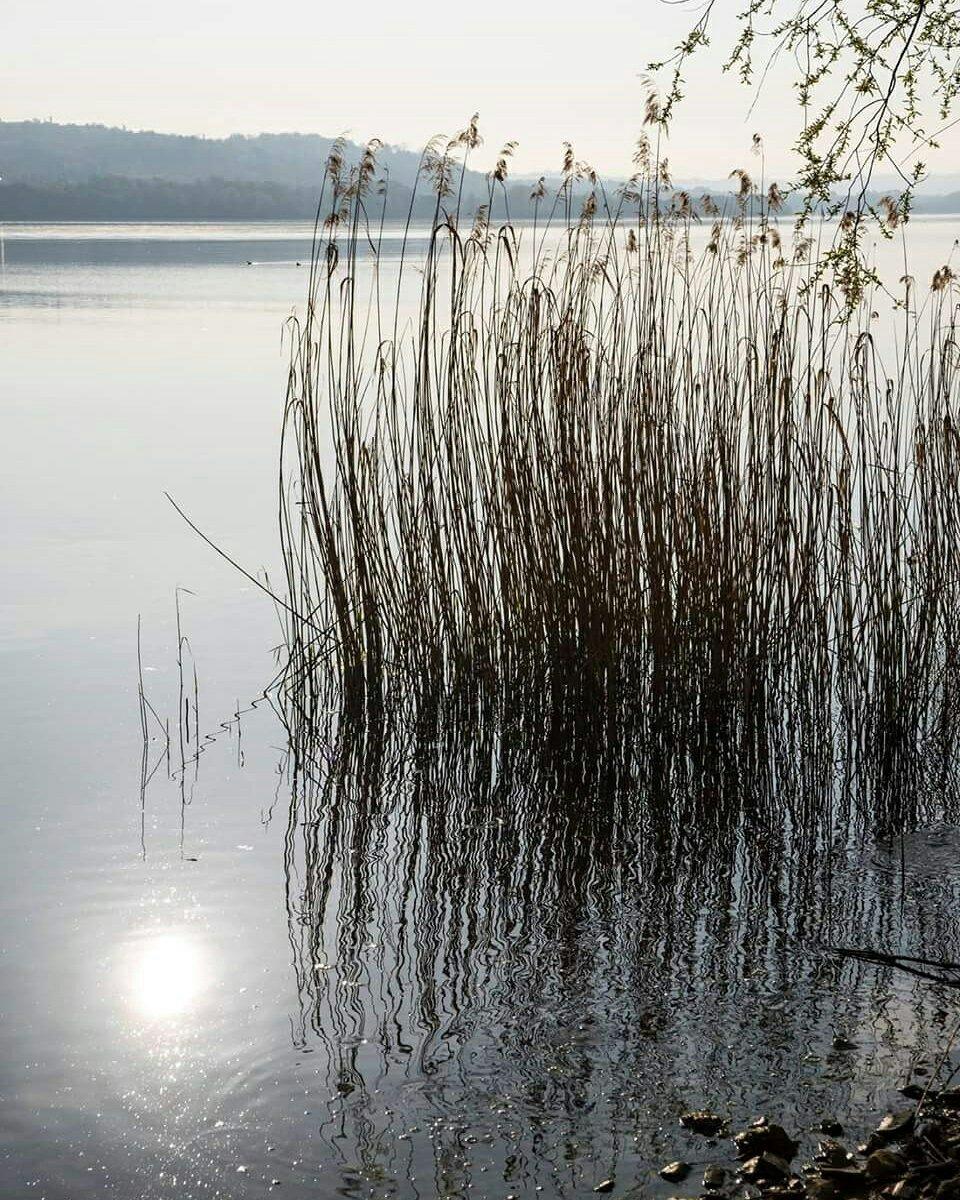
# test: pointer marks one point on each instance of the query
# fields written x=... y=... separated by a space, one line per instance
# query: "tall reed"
x=618 y=461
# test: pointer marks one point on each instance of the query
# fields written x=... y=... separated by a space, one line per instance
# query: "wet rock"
x=913 y=1091
x=949 y=1189
x=845 y=1179
x=831 y=1153
x=760 y=1138
x=766 y=1166
x=606 y=1185
x=714 y=1177
x=702 y=1121
x=928 y=1130
x=884 y=1165
x=842 y=1043
x=895 y=1126
x=675 y=1171
x=819 y=1188
x=905 y=1189
x=949 y=1098
x=831 y=1128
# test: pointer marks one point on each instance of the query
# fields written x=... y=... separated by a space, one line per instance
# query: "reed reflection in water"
x=621 y=608
x=542 y=931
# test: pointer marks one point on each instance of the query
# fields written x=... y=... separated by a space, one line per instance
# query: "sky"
x=401 y=71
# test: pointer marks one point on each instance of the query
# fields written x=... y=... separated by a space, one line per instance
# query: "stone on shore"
x=761 y=1137
x=766 y=1166
x=714 y=1178
x=897 y=1125
x=702 y=1121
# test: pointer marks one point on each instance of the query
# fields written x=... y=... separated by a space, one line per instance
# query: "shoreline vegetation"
x=695 y=483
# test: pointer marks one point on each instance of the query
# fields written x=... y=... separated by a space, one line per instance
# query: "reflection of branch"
x=902 y=962
x=146 y=774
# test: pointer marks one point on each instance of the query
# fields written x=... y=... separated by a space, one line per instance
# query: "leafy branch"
x=868 y=75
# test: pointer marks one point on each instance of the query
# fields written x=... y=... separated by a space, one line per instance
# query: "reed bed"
x=630 y=461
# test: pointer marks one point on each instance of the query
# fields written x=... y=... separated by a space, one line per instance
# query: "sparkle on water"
x=169 y=974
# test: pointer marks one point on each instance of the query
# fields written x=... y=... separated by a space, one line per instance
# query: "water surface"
x=472 y=973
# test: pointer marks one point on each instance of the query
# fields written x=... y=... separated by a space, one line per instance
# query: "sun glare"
x=168 y=976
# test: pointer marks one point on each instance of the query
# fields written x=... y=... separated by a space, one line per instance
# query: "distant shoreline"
x=218 y=200
x=15 y=227
x=55 y=172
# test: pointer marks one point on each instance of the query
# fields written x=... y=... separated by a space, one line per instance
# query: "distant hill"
x=118 y=198
x=54 y=172
x=45 y=152
x=123 y=198
x=96 y=172
x=51 y=172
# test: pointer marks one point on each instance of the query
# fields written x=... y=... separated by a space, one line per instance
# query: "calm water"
x=398 y=984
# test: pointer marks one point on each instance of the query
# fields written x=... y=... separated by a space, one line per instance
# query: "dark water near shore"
x=458 y=972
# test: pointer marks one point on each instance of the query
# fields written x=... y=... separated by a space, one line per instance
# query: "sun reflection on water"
x=168 y=975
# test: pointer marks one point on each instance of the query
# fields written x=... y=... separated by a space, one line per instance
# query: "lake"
x=210 y=986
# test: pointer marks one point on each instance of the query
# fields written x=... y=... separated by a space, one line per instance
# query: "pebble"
x=765 y=1137
x=765 y=1166
x=844 y=1177
x=714 y=1177
x=702 y=1121
x=832 y=1153
x=884 y=1165
x=896 y=1125
x=819 y=1188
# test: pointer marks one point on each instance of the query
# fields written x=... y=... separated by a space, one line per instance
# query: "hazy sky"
x=401 y=71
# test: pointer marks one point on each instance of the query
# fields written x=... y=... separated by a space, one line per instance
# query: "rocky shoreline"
x=913 y=1154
